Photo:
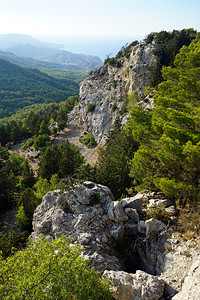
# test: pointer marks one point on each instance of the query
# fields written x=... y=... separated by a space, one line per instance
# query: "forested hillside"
x=168 y=158
x=21 y=87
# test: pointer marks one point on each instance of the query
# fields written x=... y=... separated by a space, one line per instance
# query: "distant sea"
x=102 y=46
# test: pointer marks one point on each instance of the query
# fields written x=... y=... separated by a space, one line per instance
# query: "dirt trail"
x=72 y=133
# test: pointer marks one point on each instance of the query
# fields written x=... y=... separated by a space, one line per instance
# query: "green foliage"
x=26 y=206
x=132 y=101
x=89 y=140
x=168 y=45
x=26 y=178
x=20 y=87
x=113 y=83
x=28 y=143
x=169 y=154
x=63 y=160
x=61 y=125
x=189 y=223
x=29 y=201
x=95 y=198
x=70 y=75
x=44 y=128
x=54 y=131
x=15 y=163
x=41 y=141
x=158 y=213
x=91 y=107
x=110 y=61
x=127 y=70
x=114 y=107
x=87 y=172
x=23 y=221
x=43 y=186
x=113 y=165
x=50 y=271
x=9 y=242
x=125 y=51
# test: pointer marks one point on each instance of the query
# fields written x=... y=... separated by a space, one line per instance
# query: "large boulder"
x=133 y=202
x=89 y=215
x=154 y=226
x=138 y=286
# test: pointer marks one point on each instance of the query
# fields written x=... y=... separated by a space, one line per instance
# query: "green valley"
x=21 y=87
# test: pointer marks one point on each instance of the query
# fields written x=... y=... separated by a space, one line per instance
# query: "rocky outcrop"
x=181 y=268
x=117 y=240
x=89 y=215
x=138 y=286
x=191 y=285
x=107 y=90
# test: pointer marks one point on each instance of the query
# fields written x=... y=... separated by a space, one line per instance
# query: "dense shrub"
x=89 y=140
x=50 y=271
x=158 y=213
x=91 y=107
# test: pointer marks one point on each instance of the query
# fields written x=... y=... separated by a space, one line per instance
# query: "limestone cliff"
x=107 y=89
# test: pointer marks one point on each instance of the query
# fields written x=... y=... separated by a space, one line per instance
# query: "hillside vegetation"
x=169 y=136
x=21 y=87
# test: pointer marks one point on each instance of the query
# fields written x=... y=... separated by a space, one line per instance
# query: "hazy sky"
x=97 y=17
x=53 y=20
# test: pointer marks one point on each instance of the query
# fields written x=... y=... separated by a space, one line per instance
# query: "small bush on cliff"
x=158 y=213
x=50 y=271
x=189 y=222
x=89 y=141
x=91 y=107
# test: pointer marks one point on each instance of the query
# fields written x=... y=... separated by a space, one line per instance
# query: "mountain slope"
x=20 y=87
x=30 y=62
x=108 y=89
x=123 y=80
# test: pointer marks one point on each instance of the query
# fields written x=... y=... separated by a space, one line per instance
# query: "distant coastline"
x=96 y=46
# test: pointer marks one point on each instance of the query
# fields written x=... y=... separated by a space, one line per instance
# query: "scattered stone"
x=132 y=214
x=133 y=202
x=154 y=226
x=142 y=227
x=159 y=202
x=172 y=210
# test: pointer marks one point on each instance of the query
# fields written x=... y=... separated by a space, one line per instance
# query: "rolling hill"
x=21 y=87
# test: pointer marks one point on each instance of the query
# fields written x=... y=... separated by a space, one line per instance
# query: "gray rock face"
x=133 y=202
x=138 y=286
x=89 y=215
x=154 y=226
x=191 y=286
x=108 y=88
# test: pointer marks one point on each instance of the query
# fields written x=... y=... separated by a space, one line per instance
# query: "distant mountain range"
x=31 y=62
x=25 y=46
